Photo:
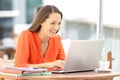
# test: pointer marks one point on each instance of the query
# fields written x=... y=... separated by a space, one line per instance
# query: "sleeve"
x=22 y=50
x=61 y=53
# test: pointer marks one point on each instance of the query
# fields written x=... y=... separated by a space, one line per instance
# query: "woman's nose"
x=57 y=27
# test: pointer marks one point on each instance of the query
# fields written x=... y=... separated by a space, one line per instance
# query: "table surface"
x=69 y=76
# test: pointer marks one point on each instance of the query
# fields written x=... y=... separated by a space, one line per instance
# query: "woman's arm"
x=22 y=50
x=57 y=63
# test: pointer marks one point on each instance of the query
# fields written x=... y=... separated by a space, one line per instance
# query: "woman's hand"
x=57 y=64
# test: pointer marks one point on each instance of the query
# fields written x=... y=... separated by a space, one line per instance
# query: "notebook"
x=83 y=55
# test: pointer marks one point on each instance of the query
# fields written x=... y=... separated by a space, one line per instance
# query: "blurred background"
x=83 y=20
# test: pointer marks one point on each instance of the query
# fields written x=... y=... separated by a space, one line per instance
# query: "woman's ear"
x=42 y=23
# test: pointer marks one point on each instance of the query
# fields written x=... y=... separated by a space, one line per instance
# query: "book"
x=28 y=74
x=21 y=71
x=16 y=70
x=19 y=75
x=12 y=71
x=27 y=69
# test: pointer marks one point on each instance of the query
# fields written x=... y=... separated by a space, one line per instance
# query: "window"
x=31 y=5
x=5 y=22
x=5 y=4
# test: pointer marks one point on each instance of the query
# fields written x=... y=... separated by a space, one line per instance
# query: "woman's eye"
x=52 y=23
x=59 y=23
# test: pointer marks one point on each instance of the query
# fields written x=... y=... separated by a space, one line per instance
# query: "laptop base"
x=64 y=72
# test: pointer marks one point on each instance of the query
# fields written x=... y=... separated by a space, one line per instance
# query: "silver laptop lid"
x=83 y=55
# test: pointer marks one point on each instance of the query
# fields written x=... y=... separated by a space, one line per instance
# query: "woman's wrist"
x=42 y=65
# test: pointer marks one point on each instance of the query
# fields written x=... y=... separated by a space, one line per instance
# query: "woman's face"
x=51 y=25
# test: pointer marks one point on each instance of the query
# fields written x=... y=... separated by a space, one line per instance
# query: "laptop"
x=83 y=55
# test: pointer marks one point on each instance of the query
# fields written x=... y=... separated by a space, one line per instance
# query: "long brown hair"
x=41 y=15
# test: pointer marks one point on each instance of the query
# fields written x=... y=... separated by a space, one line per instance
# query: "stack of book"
x=15 y=71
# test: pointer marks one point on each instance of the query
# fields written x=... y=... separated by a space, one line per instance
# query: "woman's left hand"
x=57 y=63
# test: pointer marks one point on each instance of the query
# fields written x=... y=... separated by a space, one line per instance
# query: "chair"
x=10 y=52
x=1 y=54
x=109 y=58
x=1 y=51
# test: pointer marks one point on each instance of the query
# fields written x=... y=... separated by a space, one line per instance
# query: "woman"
x=39 y=46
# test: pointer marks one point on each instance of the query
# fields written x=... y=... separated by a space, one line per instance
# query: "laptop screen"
x=83 y=55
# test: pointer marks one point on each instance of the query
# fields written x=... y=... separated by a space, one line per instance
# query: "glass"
x=30 y=6
x=5 y=4
x=6 y=23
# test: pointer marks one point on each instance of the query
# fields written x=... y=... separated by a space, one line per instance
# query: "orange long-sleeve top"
x=29 y=50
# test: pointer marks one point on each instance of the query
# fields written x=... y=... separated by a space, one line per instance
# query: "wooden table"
x=69 y=76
